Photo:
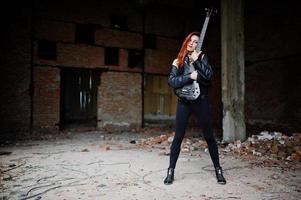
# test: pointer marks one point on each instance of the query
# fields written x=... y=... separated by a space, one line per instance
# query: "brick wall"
x=119 y=100
x=46 y=111
x=160 y=59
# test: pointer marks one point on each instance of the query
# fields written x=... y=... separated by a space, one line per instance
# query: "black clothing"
x=179 y=77
x=219 y=176
x=170 y=176
x=200 y=107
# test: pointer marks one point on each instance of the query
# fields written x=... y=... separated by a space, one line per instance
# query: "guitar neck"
x=202 y=36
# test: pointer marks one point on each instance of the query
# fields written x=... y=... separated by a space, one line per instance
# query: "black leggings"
x=200 y=108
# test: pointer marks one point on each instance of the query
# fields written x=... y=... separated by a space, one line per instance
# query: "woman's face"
x=191 y=45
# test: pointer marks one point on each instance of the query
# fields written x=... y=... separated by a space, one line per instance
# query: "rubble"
x=265 y=149
x=105 y=147
x=153 y=141
x=268 y=149
x=273 y=144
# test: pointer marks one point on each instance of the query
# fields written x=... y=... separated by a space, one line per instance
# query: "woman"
x=186 y=68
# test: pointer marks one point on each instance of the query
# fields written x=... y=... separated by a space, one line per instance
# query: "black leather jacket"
x=178 y=77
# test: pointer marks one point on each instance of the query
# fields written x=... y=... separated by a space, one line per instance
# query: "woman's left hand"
x=194 y=56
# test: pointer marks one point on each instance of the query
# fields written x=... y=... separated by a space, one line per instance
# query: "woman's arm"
x=176 y=79
x=204 y=70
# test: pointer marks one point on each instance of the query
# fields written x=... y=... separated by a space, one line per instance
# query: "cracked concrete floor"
x=107 y=166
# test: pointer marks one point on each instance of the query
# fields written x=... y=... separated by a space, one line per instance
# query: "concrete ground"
x=96 y=165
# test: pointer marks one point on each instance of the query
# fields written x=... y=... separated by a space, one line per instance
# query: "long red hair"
x=183 y=51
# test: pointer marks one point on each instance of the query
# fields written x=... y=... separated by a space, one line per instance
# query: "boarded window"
x=111 y=56
x=159 y=98
x=79 y=97
x=135 y=58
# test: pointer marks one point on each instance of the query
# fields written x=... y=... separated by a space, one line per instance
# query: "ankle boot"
x=170 y=176
x=219 y=176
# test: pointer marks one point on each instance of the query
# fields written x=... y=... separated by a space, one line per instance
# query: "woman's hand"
x=194 y=75
x=194 y=55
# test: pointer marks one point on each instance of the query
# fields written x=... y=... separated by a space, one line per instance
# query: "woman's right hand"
x=194 y=75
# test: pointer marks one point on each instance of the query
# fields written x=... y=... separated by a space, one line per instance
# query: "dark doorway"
x=78 y=98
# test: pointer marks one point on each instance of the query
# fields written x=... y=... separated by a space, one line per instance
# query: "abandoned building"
x=104 y=63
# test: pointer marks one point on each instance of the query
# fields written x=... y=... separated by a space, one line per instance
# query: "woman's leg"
x=202 y=111
x=182 y=116
x=203 y=114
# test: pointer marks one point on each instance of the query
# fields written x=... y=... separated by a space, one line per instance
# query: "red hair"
x=183 y=50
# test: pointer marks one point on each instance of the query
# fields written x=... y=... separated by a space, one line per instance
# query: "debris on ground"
x=265 y=149
x=269 y=149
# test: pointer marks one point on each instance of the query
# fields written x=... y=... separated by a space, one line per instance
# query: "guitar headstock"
x=210 y=12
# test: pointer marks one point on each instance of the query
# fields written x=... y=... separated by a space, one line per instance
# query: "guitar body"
x=189 y=92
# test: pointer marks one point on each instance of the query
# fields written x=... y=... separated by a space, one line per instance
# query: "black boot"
x=219 y=176
x=170 y=176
